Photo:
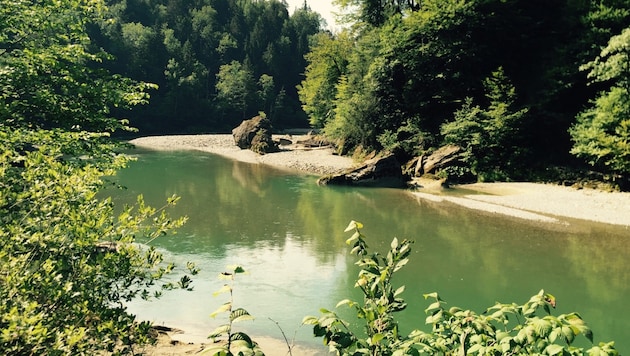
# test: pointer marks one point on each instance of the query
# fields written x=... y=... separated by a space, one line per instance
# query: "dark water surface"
x=288 y=233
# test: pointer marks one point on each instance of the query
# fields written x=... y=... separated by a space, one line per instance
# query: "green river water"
x=288 y=233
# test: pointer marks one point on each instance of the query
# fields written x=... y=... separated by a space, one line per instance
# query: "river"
x=287 y=232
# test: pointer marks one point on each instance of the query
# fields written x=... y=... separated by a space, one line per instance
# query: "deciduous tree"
x=602 y=132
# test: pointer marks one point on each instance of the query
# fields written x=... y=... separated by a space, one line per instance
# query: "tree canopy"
x=410 y=66
x=186 y=47
x=51 y=75
x=602 y=132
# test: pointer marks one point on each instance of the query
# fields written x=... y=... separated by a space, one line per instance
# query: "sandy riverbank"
x=532 y=201
x=319 y=161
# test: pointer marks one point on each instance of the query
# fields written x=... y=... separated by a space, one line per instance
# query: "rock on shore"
x=534 y=201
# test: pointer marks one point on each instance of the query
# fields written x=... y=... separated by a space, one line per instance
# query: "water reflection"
x=288 y=233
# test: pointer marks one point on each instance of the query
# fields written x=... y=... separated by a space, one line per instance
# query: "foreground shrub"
x=68 y=263
x=503 y=329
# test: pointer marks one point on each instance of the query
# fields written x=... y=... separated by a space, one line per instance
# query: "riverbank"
x=544 y=203
x=320 y=161
x=531 y=201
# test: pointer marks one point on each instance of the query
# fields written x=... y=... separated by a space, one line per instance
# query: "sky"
x=324 y=7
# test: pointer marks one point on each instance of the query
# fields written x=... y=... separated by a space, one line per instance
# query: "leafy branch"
x=224 y=334
x=503 y=329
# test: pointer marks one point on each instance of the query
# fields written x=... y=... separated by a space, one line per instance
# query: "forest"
x=531 y=90
x=522 y=86
x=216 y=62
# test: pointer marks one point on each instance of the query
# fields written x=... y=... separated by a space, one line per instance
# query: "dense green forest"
x=526 y=88
x=505 y=80
x=216 y=62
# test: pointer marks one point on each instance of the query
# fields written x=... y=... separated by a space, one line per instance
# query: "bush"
x=502 y=329
x=67 y=262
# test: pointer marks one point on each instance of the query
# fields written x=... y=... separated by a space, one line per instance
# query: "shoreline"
x=316 y=161
x=538 y=202
x=553 y=205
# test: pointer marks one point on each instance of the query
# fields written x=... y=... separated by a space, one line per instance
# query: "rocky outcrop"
x=377 y=172
x=255 y=134
x=314 y=141
x=445 y=156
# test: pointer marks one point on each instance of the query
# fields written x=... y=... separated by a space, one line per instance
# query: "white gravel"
x=316 y=160
x=541 y=202
x=532 y=201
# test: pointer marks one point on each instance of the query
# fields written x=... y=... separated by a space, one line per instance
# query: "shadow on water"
x=288 y=233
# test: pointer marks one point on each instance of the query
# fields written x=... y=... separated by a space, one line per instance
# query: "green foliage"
x=419 y=61
x=503 y=329
x=184 y=45
x=406 y=140
x=488 y=135
x=235 y=87
x=51 y=76
x=376 y=12
x=358 y=109
x=602 y=132
x=232 y=342
x=68 y=262
x=327 y=63
x=381 y=301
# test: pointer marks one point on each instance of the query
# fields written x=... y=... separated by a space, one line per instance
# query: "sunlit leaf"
x=432 y=306
x=353 y=238
x=554 y=349
x=240 y=314
x=219 y=331
x=399 y=291
x=376 y=338
x=353 y=225
x=222 y=309
x=226 y=288
x=345 y=302
x=400 y=264
x=541 y=326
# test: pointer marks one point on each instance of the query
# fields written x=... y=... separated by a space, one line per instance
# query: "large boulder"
x=255 y=134
x=445 y=156
x=376 y=172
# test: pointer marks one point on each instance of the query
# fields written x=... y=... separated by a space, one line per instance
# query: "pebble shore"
x=532 y=201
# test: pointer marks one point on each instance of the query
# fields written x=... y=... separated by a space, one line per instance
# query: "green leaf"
x=236 y=269
x=399 y=291
x=433 y=306
x=376 y=338
x=554 y=349
x=241 y=336
x=353 y=225
x=240 y=314
x=345 y=302
x=216 y=350
x=541 y=326
x=222 y=309
x=219 y=331
x=568 y=334
x=309 y=320
x=431 y=295
x=225 y=289
x=434 y=318
x=400 y=264
x=353 y=238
